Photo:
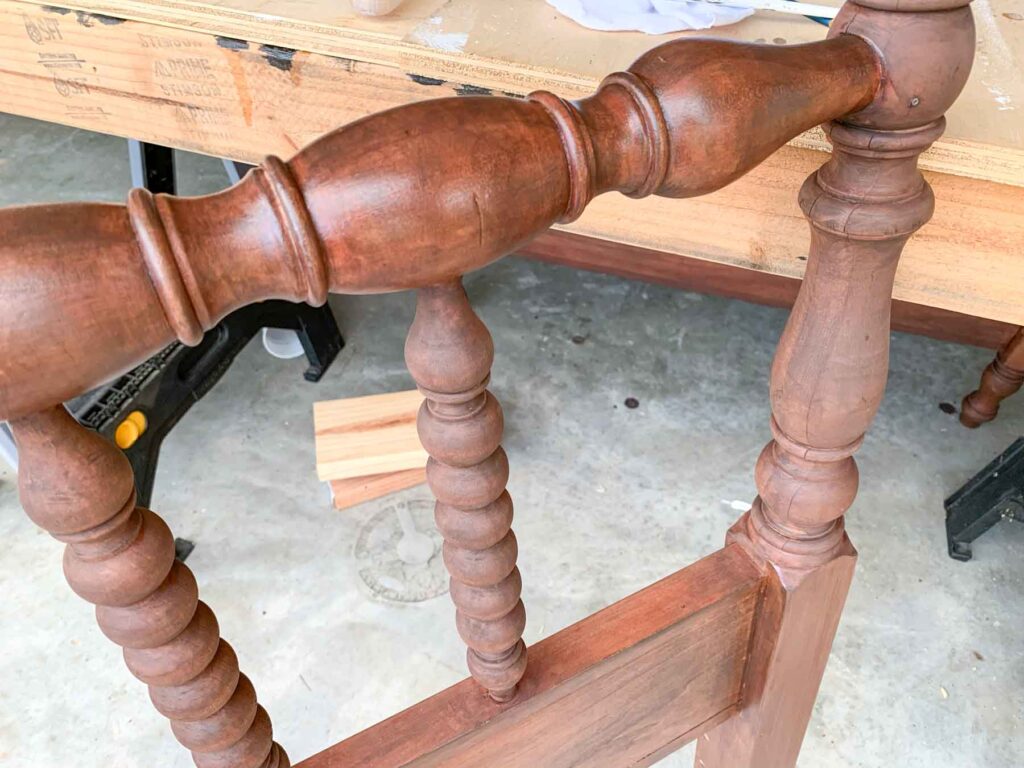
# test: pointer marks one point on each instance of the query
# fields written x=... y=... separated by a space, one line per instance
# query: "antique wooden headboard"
x=732 y=647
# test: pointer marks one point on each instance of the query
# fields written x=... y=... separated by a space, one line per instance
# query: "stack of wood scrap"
x=367 y=447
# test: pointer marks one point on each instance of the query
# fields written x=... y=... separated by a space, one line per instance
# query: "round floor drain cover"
x=398 y=553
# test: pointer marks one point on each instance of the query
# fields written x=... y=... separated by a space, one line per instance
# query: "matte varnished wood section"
x=1002 y=378
x=830 y=370
x=79 y=488
x=449 y=353
x=623 y=687
x=405 y=198
x=413 y=198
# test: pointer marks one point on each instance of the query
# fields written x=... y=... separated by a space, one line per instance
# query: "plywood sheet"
x=521 y=45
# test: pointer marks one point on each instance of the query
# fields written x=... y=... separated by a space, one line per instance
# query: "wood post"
x=449 y=353
x=1002 y=378
x=830 y=371
x=79 y=488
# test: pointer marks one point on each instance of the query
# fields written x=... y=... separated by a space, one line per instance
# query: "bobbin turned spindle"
x=449 y=353
x=79 y=488
x=387 y=204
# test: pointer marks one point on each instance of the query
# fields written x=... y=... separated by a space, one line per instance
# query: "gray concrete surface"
x=928 y=667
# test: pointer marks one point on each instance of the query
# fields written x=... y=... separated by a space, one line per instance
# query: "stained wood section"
x=630 y=261
x=1002 y=378
x=624 y=686
x=449 y=353
x=830 y=369
x=221 y=96
x=360 y=436
x=78 y=487
x=356 y=490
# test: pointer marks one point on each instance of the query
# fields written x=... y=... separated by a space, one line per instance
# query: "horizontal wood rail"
x=405 y=198
x=625 y=686
x=733 y=647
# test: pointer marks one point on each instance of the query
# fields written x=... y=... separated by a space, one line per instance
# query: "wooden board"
x=355 y=490
x=526 y=45
x=751 y=285
x=625 y=686
x=191 y=90
x=360 y=436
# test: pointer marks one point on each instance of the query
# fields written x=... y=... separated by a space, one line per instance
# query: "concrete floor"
x=928 y=666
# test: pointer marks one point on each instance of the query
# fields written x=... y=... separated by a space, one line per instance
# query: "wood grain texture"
x=356 y=490
x=449 y=353
x=79 y=488
x=372 y=435
x=756 y=286
x=1003 y=377
x=183 y=88
x=391 y=202
x=624 y=686
x=830 y=369
x=526 y=46
x=297 y=230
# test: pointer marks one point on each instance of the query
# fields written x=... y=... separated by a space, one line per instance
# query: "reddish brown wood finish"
x=693 y=274
x=79 y=488
x=623 y=687
x=449 y=353
x=830 y=369
x=415 y=197
x=1002 y=378
x=403 y=199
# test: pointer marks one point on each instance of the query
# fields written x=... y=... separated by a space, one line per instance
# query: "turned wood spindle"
x=120 y=557
x=829 y=373
x=449 y=353
x=1001 y=378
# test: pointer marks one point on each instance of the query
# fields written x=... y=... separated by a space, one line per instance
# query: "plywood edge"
x=624 y=685
x=1003 y=165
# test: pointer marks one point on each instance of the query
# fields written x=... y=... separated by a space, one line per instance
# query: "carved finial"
x=120 y=557
x=449 y=354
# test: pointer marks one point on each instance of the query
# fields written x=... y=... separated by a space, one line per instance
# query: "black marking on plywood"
x=278 y=57
x=232 y=43
x=423 y=80
x=472 y=90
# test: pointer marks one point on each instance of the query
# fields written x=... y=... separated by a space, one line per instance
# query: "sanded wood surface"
x=624 y=686
x=224 y=97
x=526 y=45
x=360 y=436
x=355 y=490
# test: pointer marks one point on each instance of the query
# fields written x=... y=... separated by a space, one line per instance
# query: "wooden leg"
x=1002 y=378
x=449 y=353
x=120 y=557
x=828 y=379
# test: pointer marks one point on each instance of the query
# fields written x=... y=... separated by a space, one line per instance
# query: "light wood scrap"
x=356 y=490
x=361 y=436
